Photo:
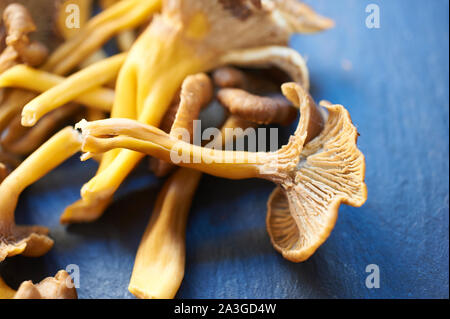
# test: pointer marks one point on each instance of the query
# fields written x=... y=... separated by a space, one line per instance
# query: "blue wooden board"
x=394 y=81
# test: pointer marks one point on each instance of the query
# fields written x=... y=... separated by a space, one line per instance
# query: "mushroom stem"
x=189 y=37
x=14 y=239
x=102 y=136
x=81 y=82
x=121 y=16
x=25 y=77
x=160 y=261
x=37 y=135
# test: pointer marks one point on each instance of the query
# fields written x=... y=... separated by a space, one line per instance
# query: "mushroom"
x=12 y=105
x=31 y=241
x=284 y=58
x=232 y=77
x=189 y=37
x=75 y=85
x=59 y=287
x=160 y=261
x=29 y=139
x=3 y=172
x=261 y=110
x=18 y=24
x=25 y=77
x=125 y=38
x=97 y=31
x=331 y=173
x=196 y=93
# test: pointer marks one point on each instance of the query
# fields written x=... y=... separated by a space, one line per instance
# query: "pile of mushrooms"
x=177 y=56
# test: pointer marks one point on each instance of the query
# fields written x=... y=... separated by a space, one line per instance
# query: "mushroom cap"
x=302 y=211
x=58 y=287
x=248 y=23
x=30 y=241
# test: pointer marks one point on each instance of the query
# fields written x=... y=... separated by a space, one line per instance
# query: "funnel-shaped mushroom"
x=330 y=170
x=31 y=241
x=189 y=37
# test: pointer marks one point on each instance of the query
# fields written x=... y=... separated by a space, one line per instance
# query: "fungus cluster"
x=176 y=57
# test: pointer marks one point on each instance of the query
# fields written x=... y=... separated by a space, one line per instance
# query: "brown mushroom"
x=258 y=109
x=59 y=287
x=31 y=241
x=19 y=24
x=316 y=179
x=196 y=93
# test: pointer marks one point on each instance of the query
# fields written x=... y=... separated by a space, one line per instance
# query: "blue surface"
x=394 y=81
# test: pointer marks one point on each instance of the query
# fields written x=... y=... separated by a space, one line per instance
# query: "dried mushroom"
x=187 y=38
x=22 y=76
x=159 y=266
x=261 y=110
x=332 y=159
x=196 y=93
x=330 y=172
x=97 y=31
x=29 y=139
x=75 y=85
x=284 y=58
x=18 y=24
x=31 y=241
x=59 y=287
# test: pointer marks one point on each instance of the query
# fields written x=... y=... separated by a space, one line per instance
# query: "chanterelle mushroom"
x=187 y=38
x=331 y=171
x=59 y=287
x=316 y=179
x=31 y=241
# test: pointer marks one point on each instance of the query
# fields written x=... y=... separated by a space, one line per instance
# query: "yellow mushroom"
x=75 y=85
x=189 y=37
x=316 y=179
x=121 y=16
x=25 y=77
x=160 y=261
x=284 y=58
x=31 y=240
x=196 y=93
x=59 y=287
x=27 y=140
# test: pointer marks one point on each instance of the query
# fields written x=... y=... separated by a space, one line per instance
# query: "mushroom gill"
x=302 y=214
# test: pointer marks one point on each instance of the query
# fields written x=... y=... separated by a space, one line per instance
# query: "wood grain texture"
x=394 y=81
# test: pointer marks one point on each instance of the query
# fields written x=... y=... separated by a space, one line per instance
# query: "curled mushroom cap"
x=189 y=37
x=315 y=179
x=302 y=214
x=284 y=58
x=58 y=287
x=258 y=109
